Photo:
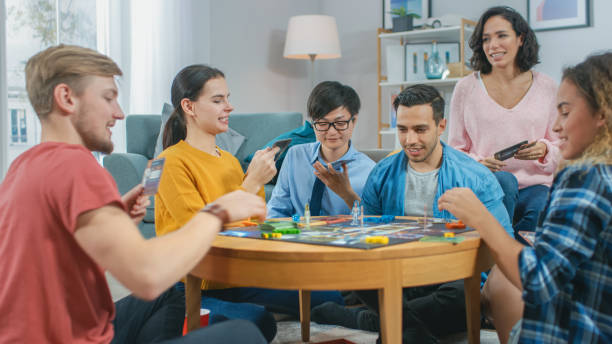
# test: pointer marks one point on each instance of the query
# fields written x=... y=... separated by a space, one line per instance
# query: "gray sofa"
x=142 y=132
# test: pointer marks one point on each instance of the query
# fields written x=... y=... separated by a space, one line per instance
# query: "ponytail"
x=188 y=83
x=175 y=129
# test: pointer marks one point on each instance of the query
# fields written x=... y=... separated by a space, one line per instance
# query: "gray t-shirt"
x=420 y=191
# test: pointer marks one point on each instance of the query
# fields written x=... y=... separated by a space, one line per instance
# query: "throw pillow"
x=166 y=112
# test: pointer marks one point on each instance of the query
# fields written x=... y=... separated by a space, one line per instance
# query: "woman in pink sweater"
x=503 y=103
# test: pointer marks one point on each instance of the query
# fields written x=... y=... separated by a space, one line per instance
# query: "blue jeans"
x=524 y=205
x=509 y=186
x=531 y=201
x=255 y=304
x=161 y=321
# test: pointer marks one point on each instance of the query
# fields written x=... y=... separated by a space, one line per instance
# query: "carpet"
x=289 y=333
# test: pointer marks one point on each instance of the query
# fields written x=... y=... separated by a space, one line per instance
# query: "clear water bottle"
x=434 y=65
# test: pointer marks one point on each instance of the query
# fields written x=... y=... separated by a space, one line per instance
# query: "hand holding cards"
x=152 y=176
x=283 y=145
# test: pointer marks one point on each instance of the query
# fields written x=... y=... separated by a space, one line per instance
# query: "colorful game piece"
x=432 y=238
x=355 y=213
x=287 y=231
x=455 y=225
x=361 y=215
x=248 y=223
x=307 y=215
x=314 y=223
x=377 y=240
x=265 y=235
x=296 y=218
x=449 y=235
x=277 y=235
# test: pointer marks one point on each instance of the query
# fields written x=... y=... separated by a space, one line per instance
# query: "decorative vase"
x=434 y=65
x=402 y=23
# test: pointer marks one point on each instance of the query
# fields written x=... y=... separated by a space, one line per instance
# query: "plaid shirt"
x=567 y=275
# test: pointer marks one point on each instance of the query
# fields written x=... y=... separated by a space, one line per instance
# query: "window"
x=31 y=26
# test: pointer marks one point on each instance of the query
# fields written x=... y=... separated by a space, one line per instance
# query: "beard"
x=96 y=142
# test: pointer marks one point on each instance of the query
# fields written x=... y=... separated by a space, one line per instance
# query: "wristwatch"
x=218 y=211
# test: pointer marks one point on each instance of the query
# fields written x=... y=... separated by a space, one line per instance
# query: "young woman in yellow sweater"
x=197 y=172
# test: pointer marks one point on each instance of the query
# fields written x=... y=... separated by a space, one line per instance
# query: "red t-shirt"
x=51 y=291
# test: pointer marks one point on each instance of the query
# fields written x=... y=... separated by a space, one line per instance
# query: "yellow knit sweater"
x=192 y=179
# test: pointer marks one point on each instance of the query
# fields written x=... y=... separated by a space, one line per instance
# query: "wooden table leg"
x=390 y=308
x=193 y=299
x=472 y=307
x=305 y=314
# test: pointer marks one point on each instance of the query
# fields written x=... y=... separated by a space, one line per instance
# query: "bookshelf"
x=453 y=34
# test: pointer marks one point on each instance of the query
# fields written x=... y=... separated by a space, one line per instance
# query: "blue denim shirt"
x=296 y=179
x=385 y=189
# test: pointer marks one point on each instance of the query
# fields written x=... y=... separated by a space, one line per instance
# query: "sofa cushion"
x=259 y=128
x=141 y=133
x=166 y=112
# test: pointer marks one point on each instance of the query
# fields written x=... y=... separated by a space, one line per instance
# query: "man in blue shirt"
x=329 y=174
x=410 y=183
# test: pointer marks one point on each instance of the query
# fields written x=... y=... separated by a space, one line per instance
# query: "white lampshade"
x=312 y=35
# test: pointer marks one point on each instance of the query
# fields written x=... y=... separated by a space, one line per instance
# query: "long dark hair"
x=527 y=55
x=188 y=83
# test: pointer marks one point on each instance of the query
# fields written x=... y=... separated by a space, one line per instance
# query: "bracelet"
x=218 y=211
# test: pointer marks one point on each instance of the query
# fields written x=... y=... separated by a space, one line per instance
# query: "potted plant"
x=402 y=20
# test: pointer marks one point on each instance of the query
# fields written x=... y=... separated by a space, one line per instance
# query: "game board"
x=340 y=231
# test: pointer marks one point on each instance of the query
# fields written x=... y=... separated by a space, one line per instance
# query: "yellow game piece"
x=449 y=235
x=265 y=235
x=277 y=235
x=377 y=240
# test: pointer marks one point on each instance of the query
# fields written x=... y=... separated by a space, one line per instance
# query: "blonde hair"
x=593 y=78
x=69 y=64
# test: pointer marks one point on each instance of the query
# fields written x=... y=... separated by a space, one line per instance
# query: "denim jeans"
x=509 y=186
x=255 y=304
x=531 y=201
x=428 y=312
x=524 y=205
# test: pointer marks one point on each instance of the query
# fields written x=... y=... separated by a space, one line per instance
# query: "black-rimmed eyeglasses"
x=338 y=125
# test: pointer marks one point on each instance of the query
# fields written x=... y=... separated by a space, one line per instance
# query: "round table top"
x=242 y=248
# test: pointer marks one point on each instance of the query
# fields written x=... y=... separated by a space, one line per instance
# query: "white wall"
x=247 y=41
x=357 y=23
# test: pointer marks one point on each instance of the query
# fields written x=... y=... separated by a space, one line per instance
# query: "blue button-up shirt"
x=567 y=276
x=296 y=179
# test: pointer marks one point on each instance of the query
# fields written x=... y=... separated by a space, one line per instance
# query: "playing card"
x=152 y=176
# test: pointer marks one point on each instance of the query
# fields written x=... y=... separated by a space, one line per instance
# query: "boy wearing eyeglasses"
x=329 y=174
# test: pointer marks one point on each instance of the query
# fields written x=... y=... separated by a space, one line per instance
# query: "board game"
x=344 y=231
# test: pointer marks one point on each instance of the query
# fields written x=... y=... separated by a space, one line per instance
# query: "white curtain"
x=3 y=94
x=152 y=40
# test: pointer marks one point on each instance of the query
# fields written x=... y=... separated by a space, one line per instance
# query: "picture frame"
x=420 y=7
x=554 y=15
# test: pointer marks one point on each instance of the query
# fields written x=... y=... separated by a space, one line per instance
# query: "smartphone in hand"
x=509 y=152
x=283 y=145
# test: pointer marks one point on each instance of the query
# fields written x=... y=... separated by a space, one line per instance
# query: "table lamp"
x=312 y=37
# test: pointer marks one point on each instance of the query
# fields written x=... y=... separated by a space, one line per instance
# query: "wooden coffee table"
x=283 y=265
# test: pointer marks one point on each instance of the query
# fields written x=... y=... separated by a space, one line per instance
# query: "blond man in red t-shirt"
x=63 y=222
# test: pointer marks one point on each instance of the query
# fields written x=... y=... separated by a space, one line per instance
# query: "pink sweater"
x=480 y=127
